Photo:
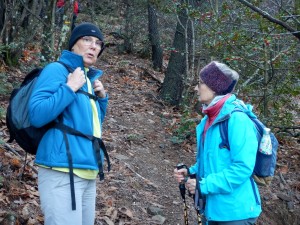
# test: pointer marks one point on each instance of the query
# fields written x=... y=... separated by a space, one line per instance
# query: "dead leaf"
x=114 y=215
x=107 y=220
x=112 y=188
x=283 y=169
x=126 y=212
x=109 y=211
x=109 y=201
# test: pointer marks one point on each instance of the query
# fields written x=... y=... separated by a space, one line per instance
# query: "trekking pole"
x=182 y=192
x=199 y=218
x=196 y=199
x=198 y=202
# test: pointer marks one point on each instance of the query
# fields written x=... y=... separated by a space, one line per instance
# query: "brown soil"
x=137 y=132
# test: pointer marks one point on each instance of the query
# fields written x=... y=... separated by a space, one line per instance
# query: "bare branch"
x=271 y=19
x=32 y=13
x=8 y=147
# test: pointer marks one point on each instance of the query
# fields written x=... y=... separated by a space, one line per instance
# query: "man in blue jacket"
x=69 y=163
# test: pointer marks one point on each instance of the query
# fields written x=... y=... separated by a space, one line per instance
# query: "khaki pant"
x=55 y=197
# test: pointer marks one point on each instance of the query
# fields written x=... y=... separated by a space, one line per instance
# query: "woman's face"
x=88 y=47
x=205 y=94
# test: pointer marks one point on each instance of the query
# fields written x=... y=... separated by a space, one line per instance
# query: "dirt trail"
x=140 y=188
x=137 y=133
x=142 y=154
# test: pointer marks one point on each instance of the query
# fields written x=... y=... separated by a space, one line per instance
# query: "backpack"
x=17 y=115
x=265 y=164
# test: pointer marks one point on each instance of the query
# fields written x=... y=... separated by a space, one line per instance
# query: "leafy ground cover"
x=138 y=129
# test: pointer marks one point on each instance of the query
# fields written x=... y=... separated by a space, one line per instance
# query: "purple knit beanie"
x=219 y=77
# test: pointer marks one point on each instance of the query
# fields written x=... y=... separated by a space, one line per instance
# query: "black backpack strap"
x=30 y=76
x=97 y=146
x=71 y=70
x=102 y=146
x=94 y=97
x=71 y=173
x=223 y=127
x=97 y=142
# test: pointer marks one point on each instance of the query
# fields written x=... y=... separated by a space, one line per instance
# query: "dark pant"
x=250 y=221
x=74 y=21
x=59 y=17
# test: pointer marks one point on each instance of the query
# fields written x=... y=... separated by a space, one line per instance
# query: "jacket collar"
x=74 y=60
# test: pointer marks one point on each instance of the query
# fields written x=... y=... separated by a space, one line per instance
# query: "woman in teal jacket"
x=226 y=187
x=69 y=163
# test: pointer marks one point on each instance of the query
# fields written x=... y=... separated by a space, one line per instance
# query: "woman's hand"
x=76 y=79
x=99 y=89
x=191 y=185
x=180 y=174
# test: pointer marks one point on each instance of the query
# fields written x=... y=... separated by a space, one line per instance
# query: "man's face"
x=88 y=47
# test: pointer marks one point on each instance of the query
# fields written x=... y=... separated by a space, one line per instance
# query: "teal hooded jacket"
x=231 y=194
x=52 y=97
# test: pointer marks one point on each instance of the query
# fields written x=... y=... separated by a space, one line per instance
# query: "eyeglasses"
x=89 y=41
x=201 y=81
x=198 y=85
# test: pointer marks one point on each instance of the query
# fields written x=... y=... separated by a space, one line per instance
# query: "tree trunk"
x=157 y=52
x=128 y=45
x=29 y=17
x=66 y=26
x=173 y=85
x=21 y=23
x=9 y=32
x=48 y=37
x=2 y=15
x=297 y=12
x=91 y=10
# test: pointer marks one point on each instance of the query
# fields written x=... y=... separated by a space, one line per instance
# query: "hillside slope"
x=140 y=189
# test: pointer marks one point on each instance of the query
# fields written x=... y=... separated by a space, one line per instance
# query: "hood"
x=232 y=103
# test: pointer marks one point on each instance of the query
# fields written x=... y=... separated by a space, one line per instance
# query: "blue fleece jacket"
x=51 y=98
x=226 y=175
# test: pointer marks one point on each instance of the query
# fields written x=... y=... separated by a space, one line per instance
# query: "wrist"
x=71 y=87
x=101 y=94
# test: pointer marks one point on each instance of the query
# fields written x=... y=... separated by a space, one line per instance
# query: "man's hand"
x=99 y=89
x=76 y=79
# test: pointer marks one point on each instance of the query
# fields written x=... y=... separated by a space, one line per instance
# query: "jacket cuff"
x=103 y=99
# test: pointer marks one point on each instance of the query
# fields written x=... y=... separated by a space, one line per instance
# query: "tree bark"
x=2 y=15
x=10 y=32
x=157 y=52
x=297 y=12
x=91 y=7
x=128 y=45
x=48 y=37
x=173 y=85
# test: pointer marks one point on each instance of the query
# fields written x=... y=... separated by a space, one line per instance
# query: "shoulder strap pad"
x=224 y=131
